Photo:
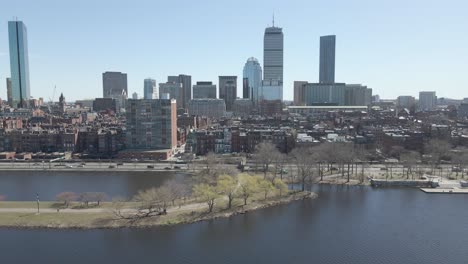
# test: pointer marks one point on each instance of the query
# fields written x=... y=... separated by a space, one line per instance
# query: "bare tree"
x=438 y=150
x=329 y=153
x=304 y=162
x=265 y=155
x=345 y=156
x=209 y=173
x=66 y=198
x=279 y=160
x=153 y=201
x=409 y=159
x=362 y=155
x=176 y=190
x=98 y=197
x=85 y=198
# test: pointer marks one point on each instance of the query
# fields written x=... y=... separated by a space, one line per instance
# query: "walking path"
x=192 y=206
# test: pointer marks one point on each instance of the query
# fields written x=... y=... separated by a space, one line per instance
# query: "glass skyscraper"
x=19 y=63
x=150 y=90
x=253 y=74
x=327 y=59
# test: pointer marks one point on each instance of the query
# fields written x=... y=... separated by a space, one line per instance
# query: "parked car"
x=119 y=163
x=456 y=169
x=150 y=167
x=177 y=167
x=167 y=168
x=111 y=166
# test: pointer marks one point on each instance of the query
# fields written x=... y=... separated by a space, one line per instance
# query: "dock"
x=446 y=190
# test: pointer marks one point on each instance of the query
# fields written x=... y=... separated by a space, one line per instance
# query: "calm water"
x=344 y=225
x=23 y=185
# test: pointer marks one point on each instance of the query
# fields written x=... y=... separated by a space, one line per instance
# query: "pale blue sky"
x=396 y=47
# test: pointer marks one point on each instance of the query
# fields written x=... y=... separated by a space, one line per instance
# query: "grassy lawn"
x=52 y=219
x=108 y=219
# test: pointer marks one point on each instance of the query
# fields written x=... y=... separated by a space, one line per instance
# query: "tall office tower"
x=150 y=90
x=427 y=101
x=299 y=92
x=9 y=92
x=273 y=53
x=186 y=81
x=253 y=74
x=245 y=88
x=228 y=90
x=204 y=90
x=327 y=59
x=174 y=90
x=151 y=124
x=114 y=85
x=19 y=63
x=135 y=95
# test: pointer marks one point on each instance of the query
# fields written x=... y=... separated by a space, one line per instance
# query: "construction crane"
x=51 y=100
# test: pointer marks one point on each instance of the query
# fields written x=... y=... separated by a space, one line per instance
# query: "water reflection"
x=23 y=185
x=344 y=225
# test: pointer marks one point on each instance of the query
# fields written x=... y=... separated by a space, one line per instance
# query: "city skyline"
x=381 y=60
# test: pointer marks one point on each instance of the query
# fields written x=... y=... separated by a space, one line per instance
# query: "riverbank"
x=25 y=216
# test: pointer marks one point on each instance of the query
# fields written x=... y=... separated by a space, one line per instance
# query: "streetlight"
x=37 y=199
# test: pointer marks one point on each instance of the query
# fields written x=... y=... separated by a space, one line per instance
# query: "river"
x=344 y=225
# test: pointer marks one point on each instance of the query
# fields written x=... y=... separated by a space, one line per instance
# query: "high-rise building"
x=151 y=124
x=212 y=108
x=150 y=90
x=406 y=101
x=253 y=73
x=9 y=92
x=427 y=101
x=242 y=107
x=174 y=90
x=299 y=92
x=204 y=90
x=186 y=81
x=135 y=95
x=114 y=85
x=338 y=94
x=228 y=90
x=19 y=63
x=105 y=104
x=270 y=90
x=273 y=53
x=327 y=59
x=357 y=94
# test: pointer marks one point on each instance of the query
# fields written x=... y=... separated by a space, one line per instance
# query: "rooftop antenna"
x=273 y=19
